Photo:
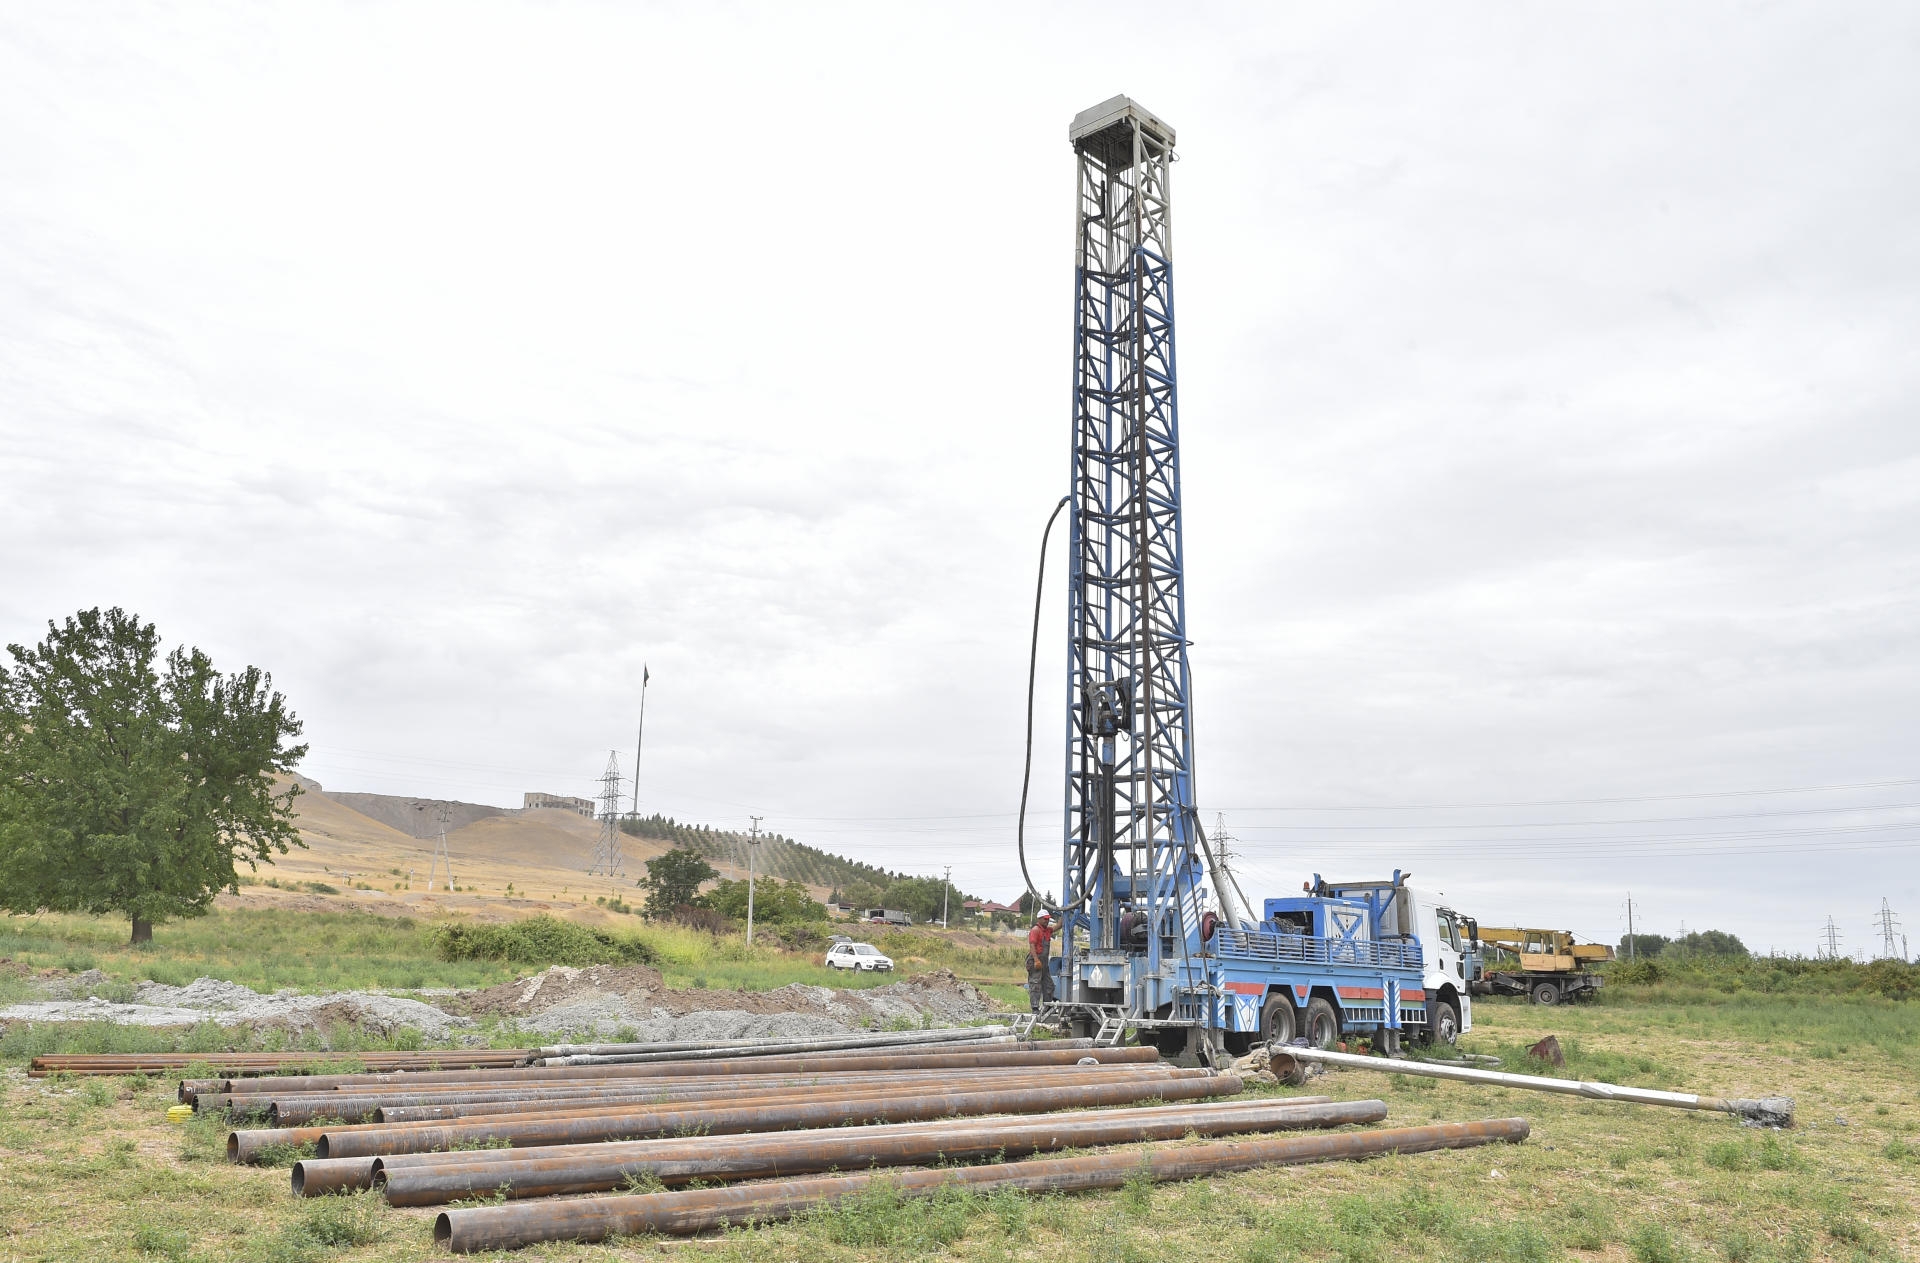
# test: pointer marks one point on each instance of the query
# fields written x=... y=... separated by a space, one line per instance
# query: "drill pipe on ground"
x=697 y=1210
x=761 y=1117
x=749 y=1047
x=904 y=1039
x=1772 y=1111
x=1016 y=1054
x=743 y=1094
x=300 y=1111
x=608 y=1089
x=313 y=1177
x=262 y=1063
x=521 y=1174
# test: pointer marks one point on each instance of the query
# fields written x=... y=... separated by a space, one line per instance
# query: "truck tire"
x=1276 y=1021
x=1443 y=1021
x=1546 y=993
x=1322 y=1024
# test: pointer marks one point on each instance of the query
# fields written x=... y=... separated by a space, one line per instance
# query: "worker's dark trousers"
x=1039 y=987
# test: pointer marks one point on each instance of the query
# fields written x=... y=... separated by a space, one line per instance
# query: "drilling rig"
x=1157 y=936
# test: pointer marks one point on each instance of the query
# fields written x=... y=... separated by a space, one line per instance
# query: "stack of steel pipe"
x=238 y=1094
x=434 y=1178
x=723 y=1111
x=510 y=1226
x=978 y=1053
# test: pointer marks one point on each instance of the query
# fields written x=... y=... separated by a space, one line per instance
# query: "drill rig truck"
x=1158 y=938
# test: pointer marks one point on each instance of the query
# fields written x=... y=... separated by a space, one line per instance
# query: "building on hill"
x=578 y=806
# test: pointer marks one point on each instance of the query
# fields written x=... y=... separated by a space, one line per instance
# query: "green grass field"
x=91 y=1169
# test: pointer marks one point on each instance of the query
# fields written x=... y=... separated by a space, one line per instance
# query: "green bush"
x=541 y=940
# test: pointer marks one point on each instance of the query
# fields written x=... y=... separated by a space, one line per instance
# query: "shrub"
x=541 y=940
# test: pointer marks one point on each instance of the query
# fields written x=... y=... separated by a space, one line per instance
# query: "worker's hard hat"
x=1044 y=916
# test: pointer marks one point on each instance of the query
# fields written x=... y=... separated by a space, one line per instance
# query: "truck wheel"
x=1443 y=1022
x=1276 y=1021
x=1546 y=993
x=1322 y=1024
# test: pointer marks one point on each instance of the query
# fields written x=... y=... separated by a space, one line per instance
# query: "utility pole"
x=1630 y=942
x=1833 y=940
x=945 y=887
x=753 y=844
x=1887 y=927
x=607 y=859
x=638 y=738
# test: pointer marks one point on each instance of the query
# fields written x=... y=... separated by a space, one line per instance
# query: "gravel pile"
x=230 y=1004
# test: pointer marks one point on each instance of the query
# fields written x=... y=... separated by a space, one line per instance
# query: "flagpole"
x=638 y=738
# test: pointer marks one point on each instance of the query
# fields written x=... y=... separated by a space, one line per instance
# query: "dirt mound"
x=561 y=985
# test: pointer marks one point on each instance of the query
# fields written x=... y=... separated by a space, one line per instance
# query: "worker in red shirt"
x=1039 y=946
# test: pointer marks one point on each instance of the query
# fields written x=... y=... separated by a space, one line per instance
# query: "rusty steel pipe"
x=618 y=1148
x=851 y=1039
x=841 y=1148
x=317 y=1177
x=298 y=1110
x=684 y=1212
x=1772 y=1111
x=359 y=1100
x=636 y=1054
x=639 y=1100
x=761 y=1117
x=245 y=1145
x=1050 y=1053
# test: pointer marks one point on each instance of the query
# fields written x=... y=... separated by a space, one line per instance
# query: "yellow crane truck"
x=1546 y=966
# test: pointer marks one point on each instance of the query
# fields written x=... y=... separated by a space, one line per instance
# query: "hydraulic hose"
x=1033 y=665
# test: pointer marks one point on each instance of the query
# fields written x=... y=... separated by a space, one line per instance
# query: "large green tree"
x=775 y=902
x=674 y=879
x=125 y=788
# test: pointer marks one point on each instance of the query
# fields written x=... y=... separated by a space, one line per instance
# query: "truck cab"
x=1433 y=938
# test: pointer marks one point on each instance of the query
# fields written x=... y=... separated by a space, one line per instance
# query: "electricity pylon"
x=607 y=859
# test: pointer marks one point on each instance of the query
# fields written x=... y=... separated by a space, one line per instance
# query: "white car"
x=858 y=956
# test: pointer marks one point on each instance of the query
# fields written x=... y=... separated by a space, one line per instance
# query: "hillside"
x=778 y=856
x=505 y=863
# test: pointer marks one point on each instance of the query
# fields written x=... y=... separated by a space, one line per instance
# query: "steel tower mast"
x=1131 y=826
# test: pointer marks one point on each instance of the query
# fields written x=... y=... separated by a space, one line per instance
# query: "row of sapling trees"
x=134 y=786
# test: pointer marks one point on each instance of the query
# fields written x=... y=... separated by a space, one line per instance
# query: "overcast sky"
x=1549 y=389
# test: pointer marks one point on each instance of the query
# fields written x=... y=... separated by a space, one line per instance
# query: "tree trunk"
x=142 y=931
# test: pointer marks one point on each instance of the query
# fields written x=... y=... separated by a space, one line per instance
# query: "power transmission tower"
x=607 y=859
x=440 y=855
x=1887 y=928
x=753 y=845
x=1832 y=936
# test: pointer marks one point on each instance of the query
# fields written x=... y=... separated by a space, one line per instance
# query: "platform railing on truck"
x=1299 y=949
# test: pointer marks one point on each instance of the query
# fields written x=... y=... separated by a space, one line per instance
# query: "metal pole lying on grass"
x=696 y=1210
x=296 y=1111
x=630 y=1054
x=1053 y=1052
x=880 y=1108
x=525 y=1174
x=1772 y=1111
